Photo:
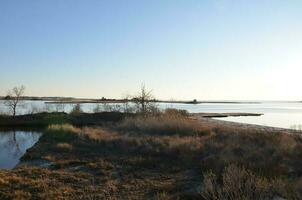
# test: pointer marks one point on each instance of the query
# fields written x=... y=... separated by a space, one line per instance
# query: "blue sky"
x=182 y=49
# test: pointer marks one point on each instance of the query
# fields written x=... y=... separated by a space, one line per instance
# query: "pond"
x=13 y=145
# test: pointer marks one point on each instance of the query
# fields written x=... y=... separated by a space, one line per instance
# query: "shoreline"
x=242 y=126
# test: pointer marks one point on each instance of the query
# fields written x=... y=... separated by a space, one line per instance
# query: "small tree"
x=14 y=100
x=144 y=100
x=77 y=109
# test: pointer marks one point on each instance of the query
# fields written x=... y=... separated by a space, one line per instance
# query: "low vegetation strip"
x=212 y=115
x=45 y=119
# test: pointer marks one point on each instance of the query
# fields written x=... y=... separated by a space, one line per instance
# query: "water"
x=13 y=145
x=276 y=114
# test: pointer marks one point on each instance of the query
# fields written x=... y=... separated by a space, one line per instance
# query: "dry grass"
x=64 y=147
x=66 y=128
x=239 y=183
x=270 y=155
x=160 y=157
x=35 y=183
x=98 y=134
x=169 y=123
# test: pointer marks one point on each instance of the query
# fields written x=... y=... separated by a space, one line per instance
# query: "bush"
x=76 y=109
x=239 y=183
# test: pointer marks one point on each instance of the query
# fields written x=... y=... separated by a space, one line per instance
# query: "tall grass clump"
x=62 y=133
x=99 y=134
x=66 y=128
x=65 y=147
x=167 y=123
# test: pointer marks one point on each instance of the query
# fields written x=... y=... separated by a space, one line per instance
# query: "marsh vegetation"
x=151 y=154
x=157 y=156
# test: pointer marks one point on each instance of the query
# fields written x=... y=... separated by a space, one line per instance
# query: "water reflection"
x=13 y=145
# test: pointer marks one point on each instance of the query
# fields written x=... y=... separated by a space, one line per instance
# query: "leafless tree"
x=14 y=99
x=77 y=109
x=144 y=100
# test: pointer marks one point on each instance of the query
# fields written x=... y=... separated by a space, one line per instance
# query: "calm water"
x=13 y=145
x=277 y=114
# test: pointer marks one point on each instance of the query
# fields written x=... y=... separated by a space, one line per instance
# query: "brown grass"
x=169 y=123
x=239 y=183
x=66 y=128
x=64 y=147
x=98 y=134
x=161 y=157
x=268 y=155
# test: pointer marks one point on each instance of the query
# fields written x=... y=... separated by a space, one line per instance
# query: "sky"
x=181 y=49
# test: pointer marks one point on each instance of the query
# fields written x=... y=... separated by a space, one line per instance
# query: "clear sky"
x=182 y=49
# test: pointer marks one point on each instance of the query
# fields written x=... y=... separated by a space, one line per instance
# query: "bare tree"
x=77 y=109
x=14 y=99
x=144 y=100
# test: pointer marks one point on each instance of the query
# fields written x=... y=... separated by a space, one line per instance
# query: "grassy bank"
x=166 y=156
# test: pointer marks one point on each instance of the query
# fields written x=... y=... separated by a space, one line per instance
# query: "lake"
x=13 y=145
x=276 y=114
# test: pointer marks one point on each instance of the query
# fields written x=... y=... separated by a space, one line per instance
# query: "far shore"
x=72 y=100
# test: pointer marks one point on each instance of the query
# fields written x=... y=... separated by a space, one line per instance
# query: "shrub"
x=76 y=109
x=239 y=183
